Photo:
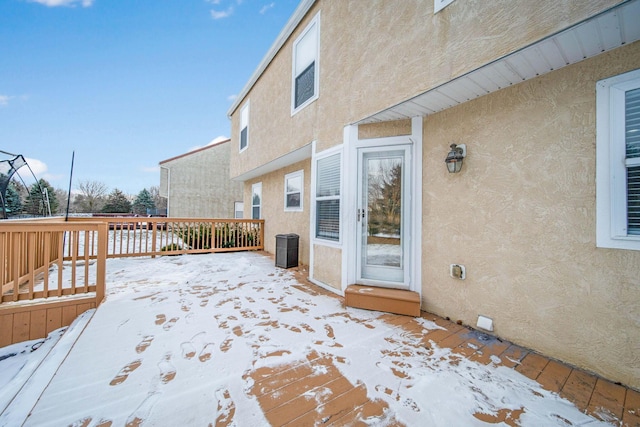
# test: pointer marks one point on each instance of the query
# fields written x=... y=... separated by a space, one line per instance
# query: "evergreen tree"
x=143 y=202
x=117 y=202
x=13 y=202
x=39 y=195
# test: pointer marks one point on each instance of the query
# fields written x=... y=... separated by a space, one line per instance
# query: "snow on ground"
x=173 y=342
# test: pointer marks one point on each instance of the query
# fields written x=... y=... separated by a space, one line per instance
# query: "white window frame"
x=314 y=25
x=340 y=198
x=611 y=170
x=244 y=124
x=287 y=177
x=257 y=186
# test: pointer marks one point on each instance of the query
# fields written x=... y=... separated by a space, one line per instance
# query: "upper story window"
x=305 y=66
x=244 y=127
x=256 y=201
x=293 y=188
x=618 y=161
x=328 y=198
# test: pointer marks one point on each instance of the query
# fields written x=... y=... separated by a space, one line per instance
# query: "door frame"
x=350 y=201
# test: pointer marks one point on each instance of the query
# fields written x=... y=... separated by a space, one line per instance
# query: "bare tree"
x=160 y=202
x=93 y=196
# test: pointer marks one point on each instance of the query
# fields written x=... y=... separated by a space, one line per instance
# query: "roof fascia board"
x=288 y=29
x=290 y=158
x=197 y=150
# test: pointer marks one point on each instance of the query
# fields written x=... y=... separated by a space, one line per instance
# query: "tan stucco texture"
x=521 y=217
x=281 y=221
x=198 y=184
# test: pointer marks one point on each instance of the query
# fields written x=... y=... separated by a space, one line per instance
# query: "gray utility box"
x=286 y=250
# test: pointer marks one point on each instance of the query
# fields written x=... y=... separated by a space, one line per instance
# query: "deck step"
x=396 y=301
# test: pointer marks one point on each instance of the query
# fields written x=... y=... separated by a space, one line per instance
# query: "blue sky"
x=126 y=84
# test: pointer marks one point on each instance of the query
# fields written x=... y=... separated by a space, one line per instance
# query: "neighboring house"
x=197 y=184
x=341 y=136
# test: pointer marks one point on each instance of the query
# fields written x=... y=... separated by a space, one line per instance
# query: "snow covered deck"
x=229 y=339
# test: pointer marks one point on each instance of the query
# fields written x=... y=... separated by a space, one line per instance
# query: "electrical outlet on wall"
x=457 y=271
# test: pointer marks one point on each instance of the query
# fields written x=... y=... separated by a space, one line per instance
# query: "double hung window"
x=238 y=210
x=293 y=184
x=256 y=201
x=305 y=66
x=244 y=127
x=618 y=161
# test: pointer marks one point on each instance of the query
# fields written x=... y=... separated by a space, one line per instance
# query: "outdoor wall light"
x=455 y=157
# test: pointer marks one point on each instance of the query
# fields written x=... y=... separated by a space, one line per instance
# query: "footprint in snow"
x=124 y=372
x=143 y=411
x=167 y=370
x=188 y=350
x=226 y=407
x=170 y=323
x=160 y=319
x=146 y=342
x=206 y=352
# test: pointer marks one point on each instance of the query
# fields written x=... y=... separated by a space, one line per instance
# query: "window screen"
x=305 y=85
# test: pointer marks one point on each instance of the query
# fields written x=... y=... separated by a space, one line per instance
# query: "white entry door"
x=383 y=214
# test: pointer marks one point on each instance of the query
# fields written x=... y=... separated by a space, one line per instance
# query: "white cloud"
x=56 y=3
x=214 y=141
x=38 y=167
x=221 y=14
x=4 y=100
x=217 y=140
x=265 y=8
x=232 y=97
x=151 y=169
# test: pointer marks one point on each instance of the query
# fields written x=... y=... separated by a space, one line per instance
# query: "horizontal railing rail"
x=140 y=236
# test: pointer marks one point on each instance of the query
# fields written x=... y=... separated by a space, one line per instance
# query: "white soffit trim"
x=288 y=159
x=603 y=32
x=288 y=29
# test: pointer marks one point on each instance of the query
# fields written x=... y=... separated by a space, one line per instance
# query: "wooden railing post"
x=101 y=267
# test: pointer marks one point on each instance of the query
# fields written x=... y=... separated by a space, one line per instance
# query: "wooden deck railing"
x=135 y=236
x=58 y=268
x=40 y=291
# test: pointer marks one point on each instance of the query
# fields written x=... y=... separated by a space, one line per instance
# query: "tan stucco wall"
x=327 y=266
x=277 y=220
x=521 y=216
x=199 y=185
x=384 y=129
x=374 y=54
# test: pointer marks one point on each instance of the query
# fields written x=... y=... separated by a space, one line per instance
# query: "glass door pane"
x=382 y=211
